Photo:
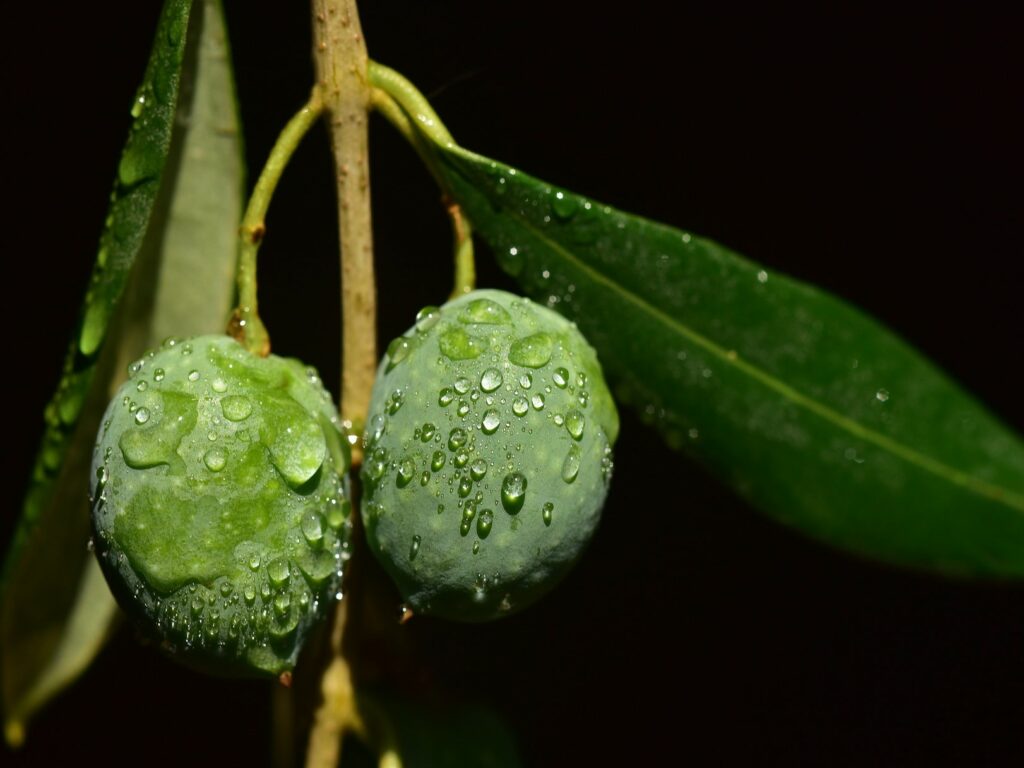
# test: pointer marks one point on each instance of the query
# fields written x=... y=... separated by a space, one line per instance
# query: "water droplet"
x=560 y=377
x=215 y=459
x=395 y=401
x=485 y=312
x=456 y=344
x=476 y=547
x=158 y=374
x=513 y=492
x=491 y=421
x=465 y=487
x=490 y=380
x=463 y=408
x=463 y=385
x=538 y=401
x=427 y=318
x=437 y=461
x=563 y=206
x=142 y=416
x=406 y=471
x=468 y=513
x=219 y=385
x=520 y=406
x=282 y=603
x=882 y=395
x=546 y=511
x=445 y=397
x=398 y=350
x=574 y=423
x=193 y=376
x=484 y=523
x=478 y=469
x=254 y=562
x=533 y=351
x=427 y=432
x=312 y=528
x=461 y=459
x=278 y=572
x=141 y=386
x=414 y=548
x=762 y=276
x=236 y=407
x=571 y=465
x=457 y=438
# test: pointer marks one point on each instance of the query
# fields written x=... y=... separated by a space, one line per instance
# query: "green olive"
x=488 y=455
x=219 y=512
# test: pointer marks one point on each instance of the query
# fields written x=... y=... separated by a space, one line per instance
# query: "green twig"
x=246 y=325
x=385 y=103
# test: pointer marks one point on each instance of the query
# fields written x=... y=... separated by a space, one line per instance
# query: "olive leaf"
x=164 y=265
x=811 y=410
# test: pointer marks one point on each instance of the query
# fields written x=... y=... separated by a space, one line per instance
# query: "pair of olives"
x=221 y=509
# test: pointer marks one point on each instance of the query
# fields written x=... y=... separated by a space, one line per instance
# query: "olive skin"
x=219 y=514
x=487 y=455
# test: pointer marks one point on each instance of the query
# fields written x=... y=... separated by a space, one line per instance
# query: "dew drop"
x=513 y=492
x=546 y=511
x=312 y=528
x=560 y=377
x=468 y=513
x=406 y=472
x=142 y=416
x=520 y=406
x=215 y=459
x=445 y=397
x=219 y=385
x=158 y=374
x=437 y=461
x=490 y=380
x=254 y=562
x=427 y=432
x=193 y=376
x=427 y=318
x=485 y=312
x=414 y=548
x=532 y=351
x=463 y=385
x=236 y=407
x=491 y=421
x=141 y=386
x=484 y=523
x=571 y=465
x=575 y=423
x=882 y=395
x=456 y=344
x=478 y=469
x=278 y=572
x=538 y=401
x=398 y=350
x=457 y=438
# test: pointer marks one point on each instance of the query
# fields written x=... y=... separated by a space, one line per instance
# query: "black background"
x=876 y=156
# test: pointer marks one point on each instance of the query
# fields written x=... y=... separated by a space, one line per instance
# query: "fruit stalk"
x=341 y=70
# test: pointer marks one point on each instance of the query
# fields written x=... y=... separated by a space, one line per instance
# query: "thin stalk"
x=385 y=104
x=341 y=68
x=341 y=63
x=246 y=325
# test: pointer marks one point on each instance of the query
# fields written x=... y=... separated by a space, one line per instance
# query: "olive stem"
x=385 y=103
x=246 y=325
x=339 y=54
x=341 y=70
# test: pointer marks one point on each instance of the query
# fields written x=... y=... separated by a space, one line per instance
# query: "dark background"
x=878 y=157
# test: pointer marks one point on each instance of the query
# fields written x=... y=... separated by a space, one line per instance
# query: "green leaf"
x=165 y=265
x=805 y=406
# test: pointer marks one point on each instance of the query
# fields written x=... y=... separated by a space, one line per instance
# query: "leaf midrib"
x=950 y=474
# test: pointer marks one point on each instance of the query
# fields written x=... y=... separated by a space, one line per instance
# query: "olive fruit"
x=487 y=455
x=219 y=508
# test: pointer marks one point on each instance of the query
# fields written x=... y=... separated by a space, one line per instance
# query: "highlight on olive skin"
x=219 y=512
x=487 y=455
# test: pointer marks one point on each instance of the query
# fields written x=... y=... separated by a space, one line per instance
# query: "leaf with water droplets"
x=164 y=265
x=807 y=407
